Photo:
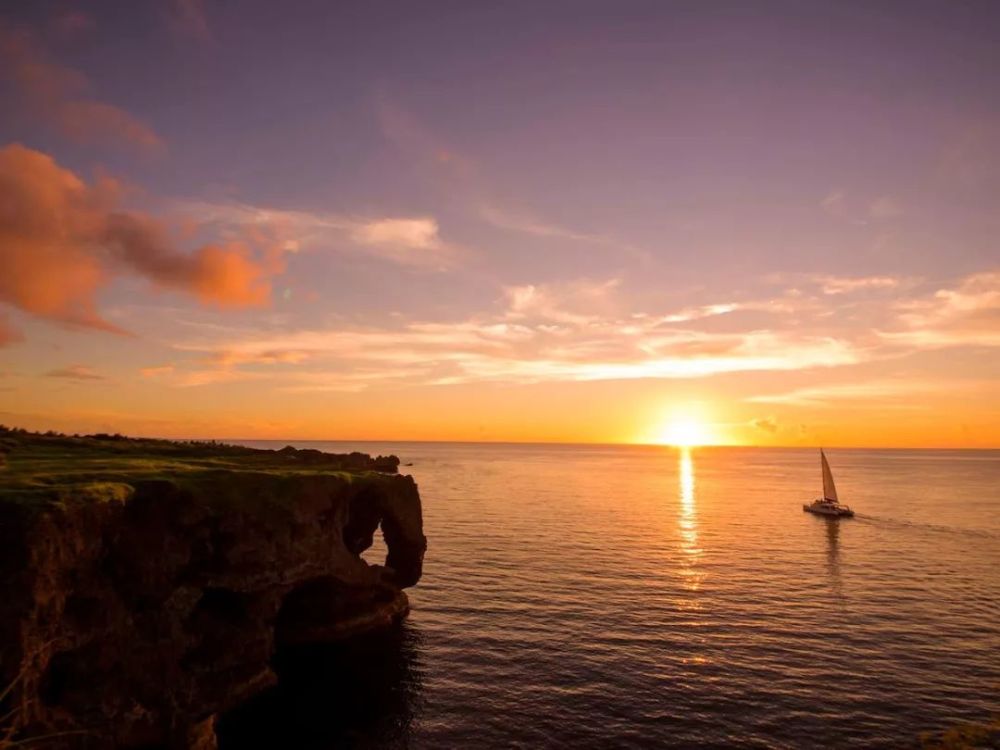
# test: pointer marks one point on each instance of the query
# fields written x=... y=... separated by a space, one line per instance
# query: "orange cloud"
x=59 y=97
x=226 y=274
x=62 y=239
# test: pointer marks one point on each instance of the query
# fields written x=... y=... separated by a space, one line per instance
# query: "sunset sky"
x=553 y=221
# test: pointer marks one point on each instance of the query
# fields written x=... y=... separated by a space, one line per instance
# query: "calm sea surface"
x=634 y=596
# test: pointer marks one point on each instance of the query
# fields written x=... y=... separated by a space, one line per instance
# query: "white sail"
x=829 y=488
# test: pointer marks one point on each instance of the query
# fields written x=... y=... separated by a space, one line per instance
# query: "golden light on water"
x=686 y=473
x=688 y=521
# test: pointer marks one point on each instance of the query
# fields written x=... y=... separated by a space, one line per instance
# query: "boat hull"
x=828 y=512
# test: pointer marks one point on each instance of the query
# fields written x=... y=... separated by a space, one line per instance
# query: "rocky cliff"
x=147 y=584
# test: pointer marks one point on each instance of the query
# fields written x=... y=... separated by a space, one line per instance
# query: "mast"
x=829 y=488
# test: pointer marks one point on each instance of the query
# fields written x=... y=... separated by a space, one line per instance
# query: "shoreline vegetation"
x=34 y=462
x=51 y=466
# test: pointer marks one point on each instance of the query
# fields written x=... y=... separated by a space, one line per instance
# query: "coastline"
x=150 y=583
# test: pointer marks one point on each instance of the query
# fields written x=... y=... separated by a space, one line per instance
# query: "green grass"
x=54 y=467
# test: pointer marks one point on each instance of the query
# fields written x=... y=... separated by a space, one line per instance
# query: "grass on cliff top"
x=104 y=467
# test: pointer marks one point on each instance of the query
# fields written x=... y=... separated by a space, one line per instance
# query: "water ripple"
x=620 y=597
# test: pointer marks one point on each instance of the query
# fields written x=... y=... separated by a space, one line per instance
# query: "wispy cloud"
x=504 y=218
x=827 y=283
x=574 y=302
x=547 y=332
x=967 y=314
x=267 y=357
x=214 y=376
x=835 y=204
x=156 y=371
x=75 y=372
x=846 y=285
x=704 y=311
x=753 y=352
x=413 y=241
x=586 y=330
x=831 y=395
x=59 y=97
x=856 y=210
x=466 y=181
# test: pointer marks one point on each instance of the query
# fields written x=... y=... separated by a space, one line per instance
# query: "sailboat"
x=829 y=504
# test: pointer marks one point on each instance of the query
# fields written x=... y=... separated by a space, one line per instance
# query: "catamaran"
x=828 y=505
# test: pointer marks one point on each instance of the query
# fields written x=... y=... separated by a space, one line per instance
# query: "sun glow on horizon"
x=685 y=432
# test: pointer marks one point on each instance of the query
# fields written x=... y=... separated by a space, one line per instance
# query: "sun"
x=684 y=426
x=685 y=433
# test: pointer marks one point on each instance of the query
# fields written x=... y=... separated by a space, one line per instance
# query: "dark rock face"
x=364 y=692
x=136 y=620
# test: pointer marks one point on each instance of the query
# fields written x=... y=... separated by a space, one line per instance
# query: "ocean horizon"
x=341 y=442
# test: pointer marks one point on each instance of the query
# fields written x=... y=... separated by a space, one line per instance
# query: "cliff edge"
x=147 y=584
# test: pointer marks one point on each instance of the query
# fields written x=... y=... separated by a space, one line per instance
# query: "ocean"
x=637 y=596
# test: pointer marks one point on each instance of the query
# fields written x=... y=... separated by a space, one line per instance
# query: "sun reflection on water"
x=688 y=521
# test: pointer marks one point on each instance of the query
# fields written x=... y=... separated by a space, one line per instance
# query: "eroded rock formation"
x=145 y=592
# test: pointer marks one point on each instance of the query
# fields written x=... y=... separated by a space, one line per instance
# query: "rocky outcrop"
x=142 y=600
